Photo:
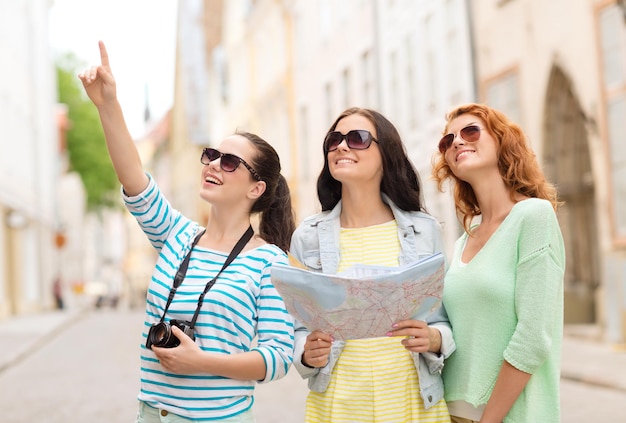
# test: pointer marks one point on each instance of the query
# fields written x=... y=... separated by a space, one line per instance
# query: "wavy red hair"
x=517 y=163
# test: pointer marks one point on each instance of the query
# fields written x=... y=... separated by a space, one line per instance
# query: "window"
x=328 y=93
x=430 y=60
x=502 y=93
x=612 y=47
x=394 y=85
x=345 y=76
x=613 y=55
x=411 y=83
x=326 y=18
x=366 y=69
x=305 y=139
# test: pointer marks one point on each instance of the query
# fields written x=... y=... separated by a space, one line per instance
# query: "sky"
x=140 y=36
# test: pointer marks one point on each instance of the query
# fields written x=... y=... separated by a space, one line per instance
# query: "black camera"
x=160 y=334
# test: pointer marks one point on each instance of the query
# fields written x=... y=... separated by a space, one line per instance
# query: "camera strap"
x=247 y=236
x=182 y=271
x=180 y=274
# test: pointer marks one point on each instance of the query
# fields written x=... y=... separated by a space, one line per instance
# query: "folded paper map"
x=364 y=301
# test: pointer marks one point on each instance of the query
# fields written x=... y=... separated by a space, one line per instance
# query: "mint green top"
x=507 y=304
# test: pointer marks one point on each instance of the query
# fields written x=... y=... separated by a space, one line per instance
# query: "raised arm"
x=100 y=87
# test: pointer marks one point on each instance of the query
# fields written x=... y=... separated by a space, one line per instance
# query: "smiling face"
x=219 y=186
x=466 y=159
x=356 y=166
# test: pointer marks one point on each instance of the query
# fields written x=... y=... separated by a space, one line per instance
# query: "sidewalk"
x=584 y=359
x=23 y=334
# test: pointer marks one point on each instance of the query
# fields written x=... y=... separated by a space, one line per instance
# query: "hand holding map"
x=364 y=301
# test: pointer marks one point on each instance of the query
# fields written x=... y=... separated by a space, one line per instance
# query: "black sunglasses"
x=358 y=139
x=228 y=162
x=470 y=133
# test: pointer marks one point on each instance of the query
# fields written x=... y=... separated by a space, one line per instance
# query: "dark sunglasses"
x=470 y=133
x=228 y=162
x=358 y=139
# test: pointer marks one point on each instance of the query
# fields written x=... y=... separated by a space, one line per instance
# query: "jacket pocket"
x=312 y=261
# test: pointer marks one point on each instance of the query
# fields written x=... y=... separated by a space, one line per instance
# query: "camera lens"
x=160 y=334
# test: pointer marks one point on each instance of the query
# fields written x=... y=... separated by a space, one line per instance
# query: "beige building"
x=286 y=69
x=29 y=160
x=46 y=234
x=559 y=69
x=139 y=256
x=410 y=60
x=232 y=73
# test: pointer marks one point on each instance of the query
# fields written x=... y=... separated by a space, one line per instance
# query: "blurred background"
x=190 y=72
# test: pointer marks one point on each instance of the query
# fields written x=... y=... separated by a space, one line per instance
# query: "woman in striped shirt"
x=243 y=333
x=372 y=214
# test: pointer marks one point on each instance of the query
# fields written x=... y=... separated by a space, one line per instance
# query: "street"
x=89 y=373
x=587 y=403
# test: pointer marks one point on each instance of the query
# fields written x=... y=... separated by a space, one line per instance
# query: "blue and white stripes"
x=242 y=312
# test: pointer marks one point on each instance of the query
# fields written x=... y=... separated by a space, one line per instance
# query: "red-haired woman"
x=504 y=288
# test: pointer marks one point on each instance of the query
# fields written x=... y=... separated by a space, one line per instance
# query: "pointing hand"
x=98 y=80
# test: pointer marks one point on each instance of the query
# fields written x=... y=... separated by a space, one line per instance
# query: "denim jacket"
x=316 y=244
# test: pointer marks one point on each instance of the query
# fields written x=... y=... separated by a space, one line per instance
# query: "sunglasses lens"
x=208 y=155
x=470 y=133
x=445 y=143
x=358 y=140
x=229 y=162
x=332 y=141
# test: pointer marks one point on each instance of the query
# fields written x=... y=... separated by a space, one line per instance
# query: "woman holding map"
x=372 y=213
x=504 y=288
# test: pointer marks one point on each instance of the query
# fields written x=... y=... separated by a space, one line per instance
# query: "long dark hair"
x=400 y=179
x=277 y=220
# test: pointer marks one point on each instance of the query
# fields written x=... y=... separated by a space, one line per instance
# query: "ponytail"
x=278 y=221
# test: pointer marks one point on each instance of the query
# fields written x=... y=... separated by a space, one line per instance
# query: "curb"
x=38 y=341
x=589 y=380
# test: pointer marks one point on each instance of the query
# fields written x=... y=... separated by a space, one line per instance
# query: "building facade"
x=409 y=60
x=286 y=69
x=528 y=64
x=29 y=160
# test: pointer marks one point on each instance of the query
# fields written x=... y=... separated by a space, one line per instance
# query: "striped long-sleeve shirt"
x=241 y=312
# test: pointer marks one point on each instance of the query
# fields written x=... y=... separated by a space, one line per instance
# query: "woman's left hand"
x=421 y=337
x=186 y=358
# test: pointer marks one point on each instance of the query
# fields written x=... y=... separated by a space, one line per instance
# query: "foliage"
x=86 y=146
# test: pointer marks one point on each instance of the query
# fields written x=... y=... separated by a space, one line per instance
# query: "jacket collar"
x=400 y=215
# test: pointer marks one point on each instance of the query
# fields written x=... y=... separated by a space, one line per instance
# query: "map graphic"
x=364 y=301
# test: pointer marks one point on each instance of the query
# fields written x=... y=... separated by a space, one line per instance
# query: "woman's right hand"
x=98 y=80
x=317 y=349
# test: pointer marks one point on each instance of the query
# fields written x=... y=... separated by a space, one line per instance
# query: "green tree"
x=85 y=138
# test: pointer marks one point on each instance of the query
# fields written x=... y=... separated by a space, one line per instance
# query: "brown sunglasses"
x=471 y=133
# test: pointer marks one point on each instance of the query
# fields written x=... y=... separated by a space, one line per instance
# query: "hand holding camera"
x=186 y=358
x=160 y=334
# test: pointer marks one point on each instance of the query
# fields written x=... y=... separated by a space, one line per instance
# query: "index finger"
x=319 y=335
x=403 y=324
x=104 y=56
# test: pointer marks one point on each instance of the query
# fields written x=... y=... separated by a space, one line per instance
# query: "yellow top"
x=374 y=380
